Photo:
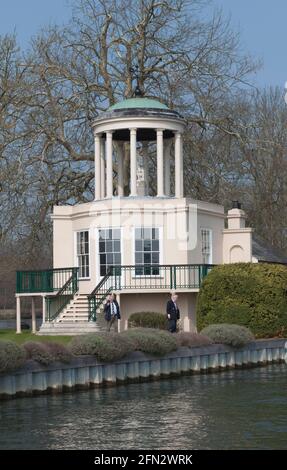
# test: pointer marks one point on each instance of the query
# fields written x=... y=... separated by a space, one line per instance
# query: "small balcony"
x=49 y=281
x=59 y=286
x=45 y=281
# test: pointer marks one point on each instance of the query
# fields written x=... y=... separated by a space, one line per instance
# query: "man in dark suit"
x=112 y=312
x=172 y=312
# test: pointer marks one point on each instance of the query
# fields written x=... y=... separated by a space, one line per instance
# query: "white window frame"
x=97 y=250
x=76 y=256
x=160 y=234
x=209 y=230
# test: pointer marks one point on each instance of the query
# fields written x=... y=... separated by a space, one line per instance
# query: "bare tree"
x=50 y=95
x=80 y=70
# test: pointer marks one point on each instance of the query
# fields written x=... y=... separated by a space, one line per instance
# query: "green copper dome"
x=135 y=103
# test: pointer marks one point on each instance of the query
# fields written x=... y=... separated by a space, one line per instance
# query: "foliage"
x=38 y=352
x=109 y=347
x=148 y=320
x=232 y=335
x=12 y=356
x=105 y=346
x=59 y=352
x=47 y=353
x=151 y=341
x=247 y=294
x=191 y=340
x=52 y=92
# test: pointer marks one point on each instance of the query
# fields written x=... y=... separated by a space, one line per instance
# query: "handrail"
x=45 y=270
x=103 y=280
x=43 y=280
x=153 y=276
x=97 y=296
x=56 y=303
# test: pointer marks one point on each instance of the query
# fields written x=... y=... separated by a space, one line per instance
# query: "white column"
x=33 y=315
x=18 y=315
x=133 y=162
x=159 y=155
x=146 y=167
x=109 y=151
x=167 y=167
x=103 y=169
x=178 y=165
x=97 y=167
x=43 y=309
x=120 y=157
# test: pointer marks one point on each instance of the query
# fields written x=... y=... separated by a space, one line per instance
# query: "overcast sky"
x=263 y=26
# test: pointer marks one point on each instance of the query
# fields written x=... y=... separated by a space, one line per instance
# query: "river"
x=239 y=409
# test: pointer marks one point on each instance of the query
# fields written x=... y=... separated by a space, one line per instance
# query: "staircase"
x=74 y=319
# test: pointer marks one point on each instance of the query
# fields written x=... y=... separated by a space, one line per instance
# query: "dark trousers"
x=172 y=326
x=112 y=322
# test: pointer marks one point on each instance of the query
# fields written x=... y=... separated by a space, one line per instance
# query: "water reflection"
x=236 y=409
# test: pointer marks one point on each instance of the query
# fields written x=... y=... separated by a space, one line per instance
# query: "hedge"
x=232 y=335
x=247 y=294
x=192 y=340
x=148 y=320
x=105 y=346
x=151 y=341
x=47 y=353
x=12 y=356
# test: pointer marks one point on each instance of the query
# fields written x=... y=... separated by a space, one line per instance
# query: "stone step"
x=68 y=328
x=73 y=320
x=77 y=307
x=76 y=313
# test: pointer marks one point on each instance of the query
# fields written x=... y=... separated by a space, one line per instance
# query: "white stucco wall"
x=237 y=245
x=133 y=303
x=170 y=215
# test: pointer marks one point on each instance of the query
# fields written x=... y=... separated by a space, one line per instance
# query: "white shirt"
x=113 y=309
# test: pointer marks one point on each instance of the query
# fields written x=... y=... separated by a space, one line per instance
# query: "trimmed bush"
x=59 y=352
x=192 y=340
x=151 y=341
x=105 y=346
x=38 y=352
x=247 y=294
x=12 y=356
x=232 y=335
x=148 y=320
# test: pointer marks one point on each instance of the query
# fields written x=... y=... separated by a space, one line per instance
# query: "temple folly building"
x=129 y=241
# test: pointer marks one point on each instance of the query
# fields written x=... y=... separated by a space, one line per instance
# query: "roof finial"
x=138 y=93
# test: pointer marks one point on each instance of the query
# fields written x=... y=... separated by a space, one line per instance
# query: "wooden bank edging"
x=85 y=372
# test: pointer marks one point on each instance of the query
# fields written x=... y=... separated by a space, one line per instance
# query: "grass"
x=27 y=336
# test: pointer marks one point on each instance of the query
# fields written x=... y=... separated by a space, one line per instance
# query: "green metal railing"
x=48 y=280
x=98 y=295
x=56 y=303
x=145 y=277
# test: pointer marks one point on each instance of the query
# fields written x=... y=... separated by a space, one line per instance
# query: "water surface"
x=241 y=409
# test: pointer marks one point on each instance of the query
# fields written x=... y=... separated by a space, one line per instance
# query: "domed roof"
x=136 y=103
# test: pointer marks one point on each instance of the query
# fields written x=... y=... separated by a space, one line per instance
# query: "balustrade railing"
x=146 y=277
x=48 y=280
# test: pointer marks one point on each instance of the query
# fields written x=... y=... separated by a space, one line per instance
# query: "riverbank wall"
x=86 y=372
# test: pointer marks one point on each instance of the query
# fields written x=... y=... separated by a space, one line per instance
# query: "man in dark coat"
x=112 y=312
x=172 y=312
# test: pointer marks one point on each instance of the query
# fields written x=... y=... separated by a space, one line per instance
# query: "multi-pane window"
x=206 y=240
x=146 y=251
x=83 y=254
x=109 y=249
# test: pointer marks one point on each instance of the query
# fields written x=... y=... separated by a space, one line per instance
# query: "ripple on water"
x=242 y=409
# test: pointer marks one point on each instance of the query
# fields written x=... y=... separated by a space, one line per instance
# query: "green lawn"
x=27 y=336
